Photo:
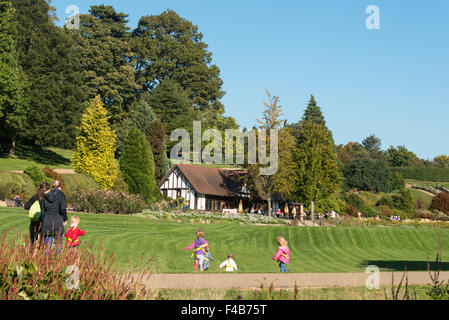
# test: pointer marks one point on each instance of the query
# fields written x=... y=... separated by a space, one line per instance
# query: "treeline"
x=56 y=73
x=367 y=167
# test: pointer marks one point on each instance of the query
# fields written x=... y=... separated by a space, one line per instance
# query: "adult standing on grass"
x=36 y=220
x=54 y=216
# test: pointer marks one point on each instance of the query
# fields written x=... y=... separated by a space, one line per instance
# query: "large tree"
x=317 y=171
x=104 y=50
x=281 y=182
x=318 y=174
x=13 y=104
x=171 y=105
x=95 y=146
x=56 y=93
x=167 y=46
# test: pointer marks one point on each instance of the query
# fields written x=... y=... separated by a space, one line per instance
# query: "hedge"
x=424 y=173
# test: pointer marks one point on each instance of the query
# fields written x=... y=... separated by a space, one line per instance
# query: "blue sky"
x=392 y=82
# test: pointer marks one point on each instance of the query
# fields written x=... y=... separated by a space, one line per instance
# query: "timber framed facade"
x=205 y=188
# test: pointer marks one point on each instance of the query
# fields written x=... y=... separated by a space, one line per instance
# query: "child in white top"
x=230 y=264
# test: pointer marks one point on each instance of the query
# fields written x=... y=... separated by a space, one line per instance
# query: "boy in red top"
x=74 y=233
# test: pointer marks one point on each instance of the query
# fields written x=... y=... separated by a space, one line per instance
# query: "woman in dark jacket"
x=35 y=226
x=54 y=215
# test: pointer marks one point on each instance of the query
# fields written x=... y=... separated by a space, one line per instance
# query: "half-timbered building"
x=205 y=188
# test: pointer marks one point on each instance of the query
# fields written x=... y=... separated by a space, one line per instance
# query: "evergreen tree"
x=143 y=116
x=56 y=93
x=13 y=104
x=318 y=174
x=95 y=146
x=156 y=137
x=172 y=107
x=168 y=46
x=313 y=113
x=372 y=144
x=104 y=49
x=137 y=166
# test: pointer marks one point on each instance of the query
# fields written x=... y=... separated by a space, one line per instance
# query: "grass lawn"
x=421 y=196
x=52 y=157
x=319 y=249
x=337 y=293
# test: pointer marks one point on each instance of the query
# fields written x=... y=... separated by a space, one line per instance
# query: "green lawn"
x=53 y=157
x=320 y=249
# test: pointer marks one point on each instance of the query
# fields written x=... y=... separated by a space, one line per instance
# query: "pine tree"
x=313 y=113
x=13 y=104
x=156 y=137
x=137 y=166
x=143 y=116
x=318 y=174
x=95 y=146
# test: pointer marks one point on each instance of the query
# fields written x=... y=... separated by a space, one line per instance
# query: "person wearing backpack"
x=34 y=207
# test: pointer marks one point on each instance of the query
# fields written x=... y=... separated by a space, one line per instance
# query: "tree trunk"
x=12 y=148
x=269 y=205
x=312 y=209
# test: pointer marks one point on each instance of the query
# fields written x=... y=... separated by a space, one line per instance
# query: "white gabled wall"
x=176 y=180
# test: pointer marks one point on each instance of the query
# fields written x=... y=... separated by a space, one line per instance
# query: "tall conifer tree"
x=95 y=146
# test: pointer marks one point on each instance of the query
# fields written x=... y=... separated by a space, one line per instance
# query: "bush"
x=352 y=211
x=36 y=174
x=333 y=202
x=355 y=201
x=440 y=202
x=385 y=211
x=12 y=184
x=404 y=201
x=369 y=212
x=120 y=184
x=368 y=175
x=28 y=273
x=101 y=201
x=385 y=201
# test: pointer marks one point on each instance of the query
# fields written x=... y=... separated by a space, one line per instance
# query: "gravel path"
x=285 y=280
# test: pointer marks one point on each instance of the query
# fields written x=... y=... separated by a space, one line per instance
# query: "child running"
x=73 y=234
x=283 y=254
x=230 y=264
x=200 y=251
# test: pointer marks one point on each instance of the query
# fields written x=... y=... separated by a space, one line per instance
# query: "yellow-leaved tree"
x=95 y=146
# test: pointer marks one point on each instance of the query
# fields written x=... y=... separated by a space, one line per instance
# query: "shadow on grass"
x=400 y=265
x=38 y=155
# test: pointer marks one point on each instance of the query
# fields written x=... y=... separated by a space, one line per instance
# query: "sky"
x=392 y=82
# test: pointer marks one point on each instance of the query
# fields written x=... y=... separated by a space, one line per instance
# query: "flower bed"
x=212 y=217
